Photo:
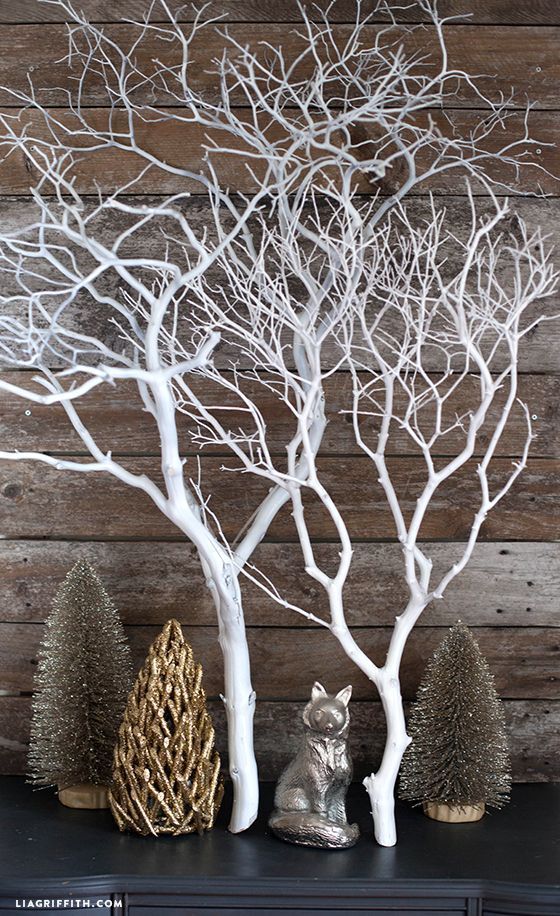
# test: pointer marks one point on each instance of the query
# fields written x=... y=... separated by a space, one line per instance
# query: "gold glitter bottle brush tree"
x=166 y=774
x=458 y=760
x=83 y=677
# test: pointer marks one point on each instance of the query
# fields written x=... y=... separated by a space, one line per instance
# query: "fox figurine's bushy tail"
x=308 y=829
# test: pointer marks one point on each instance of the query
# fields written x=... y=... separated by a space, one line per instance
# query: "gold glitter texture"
x=166 y=774
x=459 y=754
x=83 y=678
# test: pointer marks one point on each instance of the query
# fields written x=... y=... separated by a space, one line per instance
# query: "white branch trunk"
x=381 y=785
x=239 y=697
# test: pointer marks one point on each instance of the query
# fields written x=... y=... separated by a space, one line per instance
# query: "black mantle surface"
x=44 y=845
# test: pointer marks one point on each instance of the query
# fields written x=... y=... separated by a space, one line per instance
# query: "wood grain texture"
x=505 y=584
x=182 y=146
x=504 y=56
x=524 y=661
x=539 y=353
x=38 y=501
x=505 y=12
x=532 y=729
x=115 y=418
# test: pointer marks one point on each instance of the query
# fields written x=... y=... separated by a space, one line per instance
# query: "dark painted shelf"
x=511 y=855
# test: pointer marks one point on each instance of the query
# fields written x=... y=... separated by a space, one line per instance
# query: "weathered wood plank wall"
x=510 y=594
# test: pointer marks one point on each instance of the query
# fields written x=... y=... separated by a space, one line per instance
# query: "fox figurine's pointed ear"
x=317 y=691
x=344 y=695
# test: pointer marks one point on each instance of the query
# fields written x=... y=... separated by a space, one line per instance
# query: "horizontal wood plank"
x=505 y=57
x=506 y=12
x=115 y=417
x=39 y=501
x=505 y=584
x=285 y=662
x=533 y=727
x=183 y=146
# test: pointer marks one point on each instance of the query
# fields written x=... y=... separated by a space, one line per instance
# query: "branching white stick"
x=415 y=332
x=473 y=322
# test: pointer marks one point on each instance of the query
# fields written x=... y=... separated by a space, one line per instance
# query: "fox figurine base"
x=309 y=803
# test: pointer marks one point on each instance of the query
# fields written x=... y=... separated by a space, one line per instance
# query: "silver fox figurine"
x=309 y=803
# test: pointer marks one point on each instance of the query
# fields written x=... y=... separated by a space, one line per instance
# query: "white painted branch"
x=480 y=323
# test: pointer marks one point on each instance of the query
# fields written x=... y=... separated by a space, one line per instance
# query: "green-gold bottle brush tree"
x=82 y=681
x=458 y=760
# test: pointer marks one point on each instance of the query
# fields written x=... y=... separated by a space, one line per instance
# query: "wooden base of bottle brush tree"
x=454 y=814
x=84 y=795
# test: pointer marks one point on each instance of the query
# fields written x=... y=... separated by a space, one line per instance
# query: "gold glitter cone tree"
x=83 y=678
x=458 y=758
x=166 y=774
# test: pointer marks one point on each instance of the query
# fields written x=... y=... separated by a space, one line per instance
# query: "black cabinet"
x=508 y=864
